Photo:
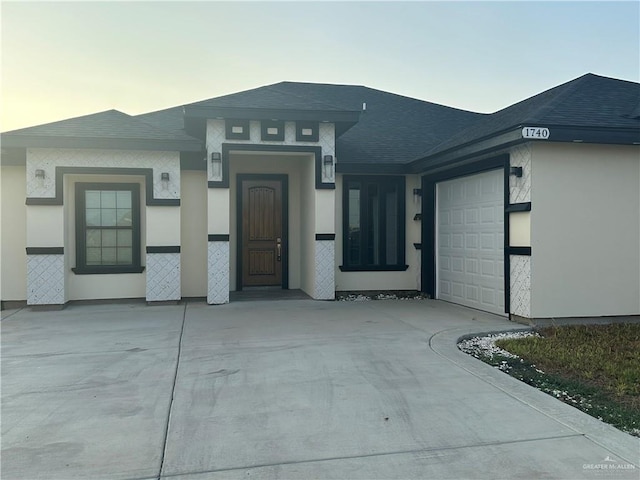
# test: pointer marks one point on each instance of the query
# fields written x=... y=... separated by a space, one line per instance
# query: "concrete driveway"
x=284 y=389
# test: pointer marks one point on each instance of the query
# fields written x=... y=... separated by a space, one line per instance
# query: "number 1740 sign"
x=535 y=132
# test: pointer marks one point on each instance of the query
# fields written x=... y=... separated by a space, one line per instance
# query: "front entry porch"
x=274 y=229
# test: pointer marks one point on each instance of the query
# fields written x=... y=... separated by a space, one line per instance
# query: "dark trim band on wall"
x=167 y=249
x=325 y=236
x=518 y=207
x=373 y=268
x=223 y=237
x=526 y=251
x=227 y=148
x=147 y=173
x=45 y=250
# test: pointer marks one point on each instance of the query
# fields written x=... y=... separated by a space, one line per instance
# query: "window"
x=107 y=228
x=237 y=129
x=272 y=130
x=307 y=131
x=373 y=223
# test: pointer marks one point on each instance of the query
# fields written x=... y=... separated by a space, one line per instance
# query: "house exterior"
x=531 y=212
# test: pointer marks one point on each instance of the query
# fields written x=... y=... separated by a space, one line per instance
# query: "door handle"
x=279 y=248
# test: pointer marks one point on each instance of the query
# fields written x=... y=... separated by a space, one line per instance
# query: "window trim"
x=81 y=267
x=381 y=181
x=313 y=126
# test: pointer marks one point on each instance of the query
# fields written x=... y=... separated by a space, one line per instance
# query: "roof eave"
x=39 y=141
x=513 y=136
x=372 y=168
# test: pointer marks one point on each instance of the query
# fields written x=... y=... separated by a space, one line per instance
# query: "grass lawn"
x=595 y=368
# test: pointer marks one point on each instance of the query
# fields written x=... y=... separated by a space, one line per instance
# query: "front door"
x=263 y=229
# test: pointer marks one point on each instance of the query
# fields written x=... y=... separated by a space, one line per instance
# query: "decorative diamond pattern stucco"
x=48 y=159
x=520 y=188
x=45 y=280
x=325 y=271
x=521 y=285
x=218 y=271
x=216 y=136
x=163 y=277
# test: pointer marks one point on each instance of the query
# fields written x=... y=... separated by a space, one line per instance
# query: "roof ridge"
x=570 y=87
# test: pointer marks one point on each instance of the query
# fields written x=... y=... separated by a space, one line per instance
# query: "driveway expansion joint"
x=371 y=455
x=173 y=392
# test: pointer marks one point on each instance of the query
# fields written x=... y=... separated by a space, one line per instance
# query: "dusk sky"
x=61 y=60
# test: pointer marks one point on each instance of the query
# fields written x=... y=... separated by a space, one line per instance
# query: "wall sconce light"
x=516 y=171
x=327 y=162
x=216 y=165
x=164 y=176
x=40 y=174
x=417 y=193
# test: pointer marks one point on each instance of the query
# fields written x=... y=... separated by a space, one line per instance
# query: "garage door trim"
x=429 y=228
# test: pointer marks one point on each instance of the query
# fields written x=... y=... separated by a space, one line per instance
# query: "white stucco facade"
x=310 y=210
x=51 y=224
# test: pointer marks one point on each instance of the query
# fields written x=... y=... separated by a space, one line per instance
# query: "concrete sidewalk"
x=282 y=389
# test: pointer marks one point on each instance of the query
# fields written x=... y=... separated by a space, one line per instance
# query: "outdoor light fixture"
x=40 y=174
x=327 y=161
x=216 y=165
x=417 y=193
x=164 y=176
x=516 y=171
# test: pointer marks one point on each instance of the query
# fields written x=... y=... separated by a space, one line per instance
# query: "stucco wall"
x=13 y=234
x=406 y=280
x=585 y=230
x=193 y=249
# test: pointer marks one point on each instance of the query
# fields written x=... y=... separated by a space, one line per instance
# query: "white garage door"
x=470 y=261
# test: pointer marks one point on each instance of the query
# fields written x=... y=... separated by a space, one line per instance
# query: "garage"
x=469 y=241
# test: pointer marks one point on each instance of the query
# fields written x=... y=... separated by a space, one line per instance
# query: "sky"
x=65 y=59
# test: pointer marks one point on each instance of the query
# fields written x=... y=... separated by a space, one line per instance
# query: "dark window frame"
x=265 y=125
x=81 y=267
x=244 y=135
x=383 y=184
x=315 y=131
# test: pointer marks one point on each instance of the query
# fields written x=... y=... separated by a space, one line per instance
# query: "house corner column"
x=324 y=287
x=46 y=279
x=519 y=233
x=324 y=277
x=163 y=254
x=218 y=251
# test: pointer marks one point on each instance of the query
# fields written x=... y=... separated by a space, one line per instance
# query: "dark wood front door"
x=263 y=230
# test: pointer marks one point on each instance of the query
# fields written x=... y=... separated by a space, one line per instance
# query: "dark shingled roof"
x=276 y=96
x=393 y=129
x=588 y=101
x=169 y=119
x=107 y=124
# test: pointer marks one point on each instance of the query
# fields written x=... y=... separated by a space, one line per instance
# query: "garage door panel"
x=472 y=293
x=470 y=241
x=471 y=266
x=471 y=216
